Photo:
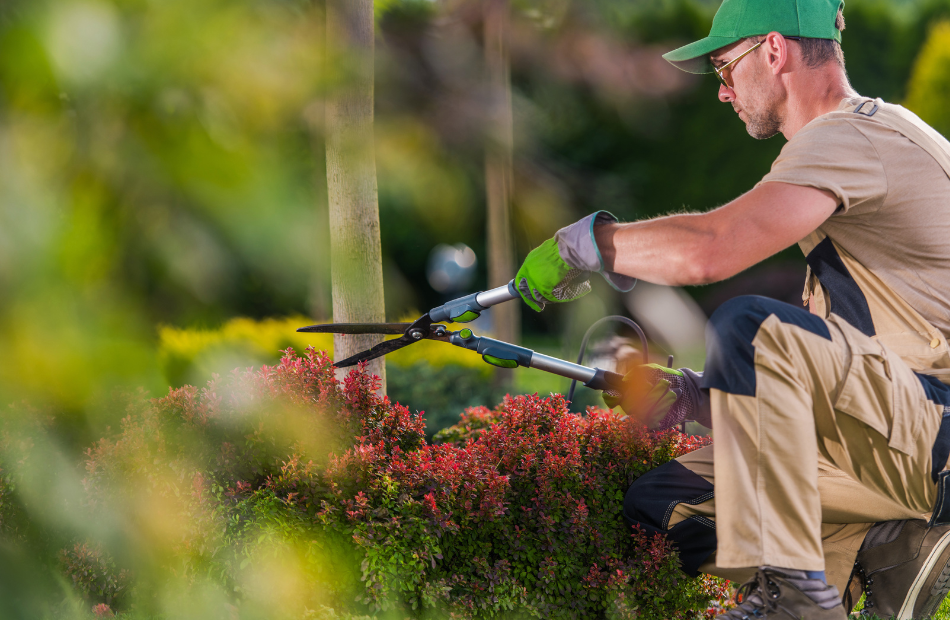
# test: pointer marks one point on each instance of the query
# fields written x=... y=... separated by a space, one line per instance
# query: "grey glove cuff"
x=578 y=248
x=701 y=412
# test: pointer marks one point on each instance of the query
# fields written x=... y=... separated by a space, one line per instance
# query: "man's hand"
x=661 y=398
x=545 y=277
x=559 y=269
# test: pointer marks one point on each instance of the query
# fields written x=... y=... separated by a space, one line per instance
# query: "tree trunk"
x=498 y=170
x=356 y=262
x=320 y=299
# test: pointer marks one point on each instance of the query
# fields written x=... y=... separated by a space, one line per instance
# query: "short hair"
x=817 y=52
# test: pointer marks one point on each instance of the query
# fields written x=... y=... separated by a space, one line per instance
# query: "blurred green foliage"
x=929 y=89
x=153 y=154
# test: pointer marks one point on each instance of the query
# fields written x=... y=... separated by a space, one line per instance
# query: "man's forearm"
x=700 y=248
x=676 y=250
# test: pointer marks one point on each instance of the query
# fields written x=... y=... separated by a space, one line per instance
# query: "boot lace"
x=755 y=598
x=864 y=582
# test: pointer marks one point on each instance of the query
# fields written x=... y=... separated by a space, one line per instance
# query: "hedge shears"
x=463 y=310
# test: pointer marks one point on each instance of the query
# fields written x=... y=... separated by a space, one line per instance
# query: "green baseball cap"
x=738 y=19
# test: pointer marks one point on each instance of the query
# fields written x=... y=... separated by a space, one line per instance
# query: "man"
x=830 y=438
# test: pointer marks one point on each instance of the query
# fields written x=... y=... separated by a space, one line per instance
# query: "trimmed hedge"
x=332 y=495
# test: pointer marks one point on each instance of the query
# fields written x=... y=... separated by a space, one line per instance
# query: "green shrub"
x=94 y=574
x=441 y=392
x=19 y=427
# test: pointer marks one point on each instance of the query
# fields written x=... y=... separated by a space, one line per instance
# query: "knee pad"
x=730 y=356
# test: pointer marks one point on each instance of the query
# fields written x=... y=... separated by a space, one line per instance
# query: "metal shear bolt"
x=416 y=334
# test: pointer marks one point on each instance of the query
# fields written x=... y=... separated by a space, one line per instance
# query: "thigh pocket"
x=880 y=390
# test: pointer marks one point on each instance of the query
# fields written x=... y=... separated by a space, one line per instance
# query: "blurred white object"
x=616 y=354
x=668 y=314
x=83 y=39
x=451 y=268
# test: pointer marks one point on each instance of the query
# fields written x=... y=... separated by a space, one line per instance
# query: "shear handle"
x=468 y=308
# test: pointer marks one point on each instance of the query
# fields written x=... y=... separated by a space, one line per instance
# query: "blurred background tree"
x=356 y=259
x=499 y=153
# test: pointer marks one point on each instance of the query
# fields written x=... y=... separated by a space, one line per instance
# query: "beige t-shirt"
x=894 y=214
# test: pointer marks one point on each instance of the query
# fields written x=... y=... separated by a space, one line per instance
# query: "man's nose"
x=726 y=94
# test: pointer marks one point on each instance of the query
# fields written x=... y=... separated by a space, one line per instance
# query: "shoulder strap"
x=906 y=123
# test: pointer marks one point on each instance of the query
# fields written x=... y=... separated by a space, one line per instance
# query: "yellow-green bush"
x=242 y=342
x=928 y=93
x=429 y=376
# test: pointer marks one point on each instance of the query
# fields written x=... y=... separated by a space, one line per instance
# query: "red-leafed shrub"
x=517 y=513
x=238 y=429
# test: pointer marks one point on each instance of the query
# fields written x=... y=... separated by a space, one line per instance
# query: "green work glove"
x=545 y=277
x=559 y=269
x=660 y=397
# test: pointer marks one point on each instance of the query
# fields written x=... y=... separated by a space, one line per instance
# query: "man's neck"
x=813 y=93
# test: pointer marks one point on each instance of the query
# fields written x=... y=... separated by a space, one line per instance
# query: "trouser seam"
x=704 y=520
x=690 y=502
x=759 y=491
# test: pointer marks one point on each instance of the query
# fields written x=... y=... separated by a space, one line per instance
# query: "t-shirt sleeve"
x=833 y=155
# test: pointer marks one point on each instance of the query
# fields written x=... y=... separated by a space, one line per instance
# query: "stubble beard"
x=764 y=125
x=763 y=111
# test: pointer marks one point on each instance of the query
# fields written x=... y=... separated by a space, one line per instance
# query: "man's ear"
x=777 y=51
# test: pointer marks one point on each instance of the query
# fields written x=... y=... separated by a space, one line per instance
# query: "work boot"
x=903 y=569
x=782 y=594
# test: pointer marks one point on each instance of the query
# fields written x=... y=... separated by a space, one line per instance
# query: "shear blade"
x=378 y=351
x=357 y=328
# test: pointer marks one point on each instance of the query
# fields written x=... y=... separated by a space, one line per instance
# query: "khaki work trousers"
x=835 y=436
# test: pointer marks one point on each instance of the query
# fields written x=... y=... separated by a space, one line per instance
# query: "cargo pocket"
x=879 y=390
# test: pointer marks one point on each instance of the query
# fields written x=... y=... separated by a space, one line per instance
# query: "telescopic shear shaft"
x=497 y=352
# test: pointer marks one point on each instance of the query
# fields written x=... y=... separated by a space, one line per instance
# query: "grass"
x=942 y=614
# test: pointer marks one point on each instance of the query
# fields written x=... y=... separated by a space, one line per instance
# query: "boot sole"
x=937 y=592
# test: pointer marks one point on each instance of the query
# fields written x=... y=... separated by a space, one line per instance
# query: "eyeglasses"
x=724 y=73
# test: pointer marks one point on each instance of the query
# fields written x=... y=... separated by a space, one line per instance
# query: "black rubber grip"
x=605 y=380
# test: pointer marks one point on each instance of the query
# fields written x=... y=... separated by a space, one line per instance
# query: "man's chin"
x=762 y=131
x=759 y=135
x=762 y=126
